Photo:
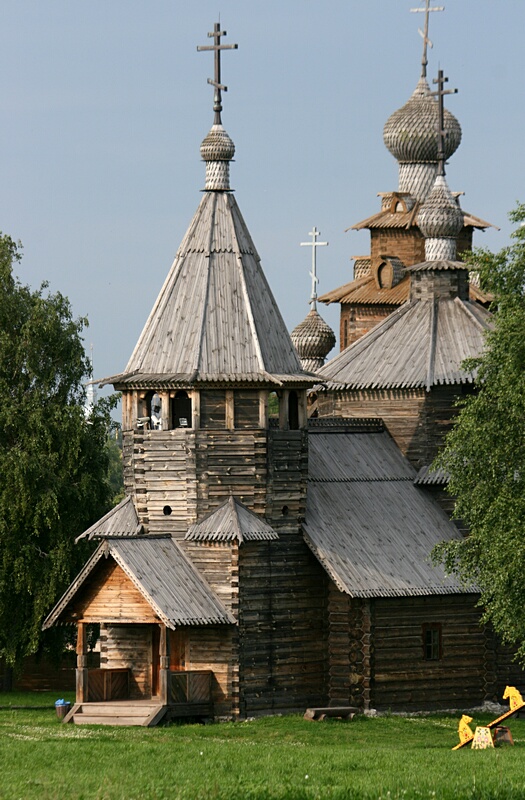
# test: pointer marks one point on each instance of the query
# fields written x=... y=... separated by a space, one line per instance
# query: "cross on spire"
x=314 y=244
x=440 y=94
x=426 y=41
x=216 y=82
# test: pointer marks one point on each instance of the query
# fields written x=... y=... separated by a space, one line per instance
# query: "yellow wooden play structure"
x=467 y=735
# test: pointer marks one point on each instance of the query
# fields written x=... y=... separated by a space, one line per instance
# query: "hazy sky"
x=104 y=105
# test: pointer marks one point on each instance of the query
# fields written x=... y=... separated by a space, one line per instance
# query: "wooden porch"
x=108 y=702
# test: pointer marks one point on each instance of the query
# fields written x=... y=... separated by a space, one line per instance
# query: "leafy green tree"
x=485 y=451
x=53 y=461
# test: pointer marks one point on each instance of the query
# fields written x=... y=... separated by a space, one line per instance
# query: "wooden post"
x=263 y=409
x=230 y=410
x=82 y=671
x=196 y=409
x=164 y=659
x=165 y=412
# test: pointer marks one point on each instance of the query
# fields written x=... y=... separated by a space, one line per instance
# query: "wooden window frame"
x=432 y=649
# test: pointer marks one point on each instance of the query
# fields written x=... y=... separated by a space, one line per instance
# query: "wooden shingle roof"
x=215 y=318
x=163 y=574
x=232 y=521
x=121 y=521
x=367 y=523
x=421 y=344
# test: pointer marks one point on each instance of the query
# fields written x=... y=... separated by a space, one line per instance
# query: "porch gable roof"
x=163 y=574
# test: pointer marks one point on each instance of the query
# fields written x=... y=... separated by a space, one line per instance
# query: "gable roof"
x=231 y=521
x=408 y=219
x=421 y=344
x=367 y=523
x=122 y=520
x=215 y=318
x=163 y=574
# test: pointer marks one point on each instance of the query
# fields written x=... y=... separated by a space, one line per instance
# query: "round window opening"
x=166 y=511
x=284 y=511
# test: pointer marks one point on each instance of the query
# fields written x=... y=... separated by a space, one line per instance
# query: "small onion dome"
x=410 y=133
x=217 y=146
x=440 y=217
x=313 y=339
x=217 y=150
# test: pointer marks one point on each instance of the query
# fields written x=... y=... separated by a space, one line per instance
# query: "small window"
x=432 y=642
x=385 y=276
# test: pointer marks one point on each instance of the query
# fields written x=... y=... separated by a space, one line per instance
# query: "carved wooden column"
x=82 y=671
x=164 y=659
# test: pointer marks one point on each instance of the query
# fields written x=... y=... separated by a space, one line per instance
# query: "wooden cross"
x=314 y=244
x=216 y=82
x=440 y=94
x=426 y=41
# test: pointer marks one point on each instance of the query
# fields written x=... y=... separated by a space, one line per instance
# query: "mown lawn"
x=274 y=758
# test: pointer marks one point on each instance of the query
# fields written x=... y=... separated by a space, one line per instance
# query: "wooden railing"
x=108 y=684
x=190 y=688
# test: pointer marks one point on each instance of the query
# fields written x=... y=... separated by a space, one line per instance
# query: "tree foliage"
x=53 y=461
x=485 y=452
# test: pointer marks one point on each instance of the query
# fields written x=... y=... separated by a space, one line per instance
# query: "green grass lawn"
x=274 y=757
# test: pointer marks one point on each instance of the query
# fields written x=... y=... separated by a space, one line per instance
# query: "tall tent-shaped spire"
x=215 y=318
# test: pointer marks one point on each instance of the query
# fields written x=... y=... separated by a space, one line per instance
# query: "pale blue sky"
x=104 y=104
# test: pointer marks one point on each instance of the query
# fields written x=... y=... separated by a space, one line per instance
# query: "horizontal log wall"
x=403 y=679
x=357 y=319
x=349 y=649
x=129 y=647
x=214 y=648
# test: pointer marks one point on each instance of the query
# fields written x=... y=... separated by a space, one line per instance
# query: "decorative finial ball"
x=217 y=146
x=410 y=133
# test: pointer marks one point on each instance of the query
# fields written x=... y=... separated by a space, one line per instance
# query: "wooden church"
x=264 y=563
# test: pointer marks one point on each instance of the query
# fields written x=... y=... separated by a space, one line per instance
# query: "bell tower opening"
x=181 y=410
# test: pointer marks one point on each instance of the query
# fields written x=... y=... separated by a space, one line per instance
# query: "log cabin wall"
x=357 y=319
x=217 y=648
x=129 y=647
x=214 y=648
x=282 y=630
x=408 y=677
x=417 y=420
x=349 y=650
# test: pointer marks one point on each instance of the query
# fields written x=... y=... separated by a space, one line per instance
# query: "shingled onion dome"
x=217 y=150
x=410 y=135
x=313 y=339
x=440 y=220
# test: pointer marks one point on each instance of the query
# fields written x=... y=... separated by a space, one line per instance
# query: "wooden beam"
x=164 y=658
x=81 y=671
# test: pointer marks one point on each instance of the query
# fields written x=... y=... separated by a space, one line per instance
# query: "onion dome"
x=440 y=220
x=217 y=150
x=410 y=135
x=313 y=339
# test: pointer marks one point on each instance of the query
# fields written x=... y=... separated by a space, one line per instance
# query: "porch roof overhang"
x=163 y=574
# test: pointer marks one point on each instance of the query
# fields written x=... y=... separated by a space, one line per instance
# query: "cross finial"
x=440 y=94
x=426 y=41
x=314 y=244
x=216 y=82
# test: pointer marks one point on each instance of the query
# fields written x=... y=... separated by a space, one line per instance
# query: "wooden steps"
x=118 y=713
